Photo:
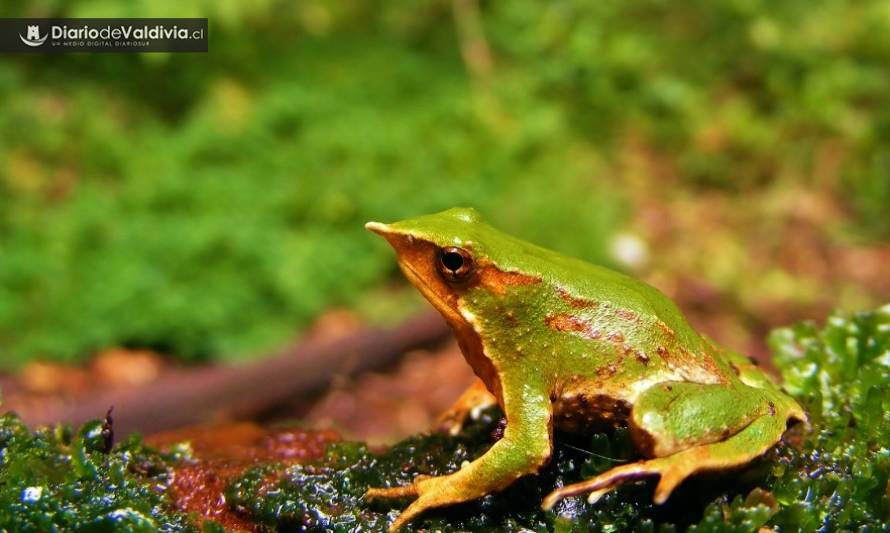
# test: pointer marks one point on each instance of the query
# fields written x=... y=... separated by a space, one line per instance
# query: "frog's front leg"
x=469 y=404
x=524 y=448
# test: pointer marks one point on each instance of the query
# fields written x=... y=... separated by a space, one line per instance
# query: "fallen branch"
x=195 y=396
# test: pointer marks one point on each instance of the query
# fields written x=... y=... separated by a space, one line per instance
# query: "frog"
x=560 y=343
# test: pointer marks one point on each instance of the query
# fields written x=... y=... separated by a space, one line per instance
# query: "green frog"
x=561 y=343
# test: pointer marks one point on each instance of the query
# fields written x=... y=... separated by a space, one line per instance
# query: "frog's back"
x=633 y=328
x=584 y=282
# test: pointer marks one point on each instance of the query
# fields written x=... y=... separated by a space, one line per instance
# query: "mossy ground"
x=833 y=478
x=56 y=480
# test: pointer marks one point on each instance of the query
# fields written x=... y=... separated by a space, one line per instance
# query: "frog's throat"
x=450 y=312
x=467 y=337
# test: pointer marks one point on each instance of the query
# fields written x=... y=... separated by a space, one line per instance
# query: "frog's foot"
x=741 y=448
x=470 y=404
x=430 y=492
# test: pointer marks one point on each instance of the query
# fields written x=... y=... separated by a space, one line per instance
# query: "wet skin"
x=558 y=342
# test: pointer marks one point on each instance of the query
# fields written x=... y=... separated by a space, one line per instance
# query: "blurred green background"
x=210 y=205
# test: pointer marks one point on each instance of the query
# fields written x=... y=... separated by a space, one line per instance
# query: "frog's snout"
x=397 y=238
x=378 y=227
x=393 y=237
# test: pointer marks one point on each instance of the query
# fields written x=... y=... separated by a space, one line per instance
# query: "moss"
x=832 y=478
x=56 y=480
x=839 y=479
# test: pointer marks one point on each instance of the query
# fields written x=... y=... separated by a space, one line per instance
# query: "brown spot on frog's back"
x=572 y=323
x=564 y=322
x=575 y=301
x=606 y=371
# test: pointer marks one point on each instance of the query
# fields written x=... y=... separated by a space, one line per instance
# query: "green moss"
x=839 y=480
x=56 y=480
x=835 y=480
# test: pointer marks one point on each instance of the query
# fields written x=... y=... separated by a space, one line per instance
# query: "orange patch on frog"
x=572 y=323
x=665 y=328
x=606 y=371
x=694 y=367
x=498 y=280
x=574 y=301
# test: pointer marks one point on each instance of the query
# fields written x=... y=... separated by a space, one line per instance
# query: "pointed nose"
x=393 y=236
x=378 y=227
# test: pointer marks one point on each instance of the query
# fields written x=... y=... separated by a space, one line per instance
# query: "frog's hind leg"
x=697 y=430
x=739 y=449
x=469 y=404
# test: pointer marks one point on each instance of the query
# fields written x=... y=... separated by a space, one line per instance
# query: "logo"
x=33 y=38
x=114 y=35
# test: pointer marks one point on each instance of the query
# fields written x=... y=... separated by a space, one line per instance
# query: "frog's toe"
x=394 y=492
x=412 y=511
x=670 y=478
x=595 y=495
x=596 y=487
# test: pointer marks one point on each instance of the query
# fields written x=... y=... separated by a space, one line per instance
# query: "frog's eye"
x=455 y=264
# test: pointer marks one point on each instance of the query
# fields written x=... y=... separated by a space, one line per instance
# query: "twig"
x=210 y=393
